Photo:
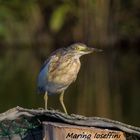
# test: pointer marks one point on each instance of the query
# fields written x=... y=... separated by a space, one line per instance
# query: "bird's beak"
x=97 y=50
x=90 y=50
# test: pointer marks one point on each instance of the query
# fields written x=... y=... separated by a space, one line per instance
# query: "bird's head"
x=81 y=49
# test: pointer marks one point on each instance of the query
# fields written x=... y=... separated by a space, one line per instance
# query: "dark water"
x=108 y=84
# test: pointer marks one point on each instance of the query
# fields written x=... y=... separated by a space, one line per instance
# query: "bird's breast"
x=65 y=73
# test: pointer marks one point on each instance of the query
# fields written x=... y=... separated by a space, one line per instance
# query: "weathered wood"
x=61 y=131
x=30 y=123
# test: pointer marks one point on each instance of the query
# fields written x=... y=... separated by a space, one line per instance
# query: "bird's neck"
x=77 y=56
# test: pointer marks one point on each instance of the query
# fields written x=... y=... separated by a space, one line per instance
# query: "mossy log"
x=32 y=124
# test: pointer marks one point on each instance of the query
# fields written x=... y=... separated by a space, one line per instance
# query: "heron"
x=60 y=70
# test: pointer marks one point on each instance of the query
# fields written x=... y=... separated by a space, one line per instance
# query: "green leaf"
x=58 y=17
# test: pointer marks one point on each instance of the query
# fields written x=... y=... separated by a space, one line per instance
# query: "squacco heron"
x=60 y=70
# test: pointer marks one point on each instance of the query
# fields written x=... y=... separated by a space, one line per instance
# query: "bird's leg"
x=62 y=102
x=46 y=99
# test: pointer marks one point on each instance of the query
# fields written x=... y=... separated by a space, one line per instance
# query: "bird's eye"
x=77 y=48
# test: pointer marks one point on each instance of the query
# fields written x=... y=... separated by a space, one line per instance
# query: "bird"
x=60 y=70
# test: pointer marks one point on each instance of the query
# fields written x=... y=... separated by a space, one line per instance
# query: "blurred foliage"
x=108 y=83
x=58 y=17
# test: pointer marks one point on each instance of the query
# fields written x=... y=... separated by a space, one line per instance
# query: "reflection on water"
x=107 y=84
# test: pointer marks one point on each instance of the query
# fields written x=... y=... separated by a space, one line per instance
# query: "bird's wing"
x=54 y=60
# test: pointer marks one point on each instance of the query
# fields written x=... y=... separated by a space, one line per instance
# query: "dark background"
x=108 y=84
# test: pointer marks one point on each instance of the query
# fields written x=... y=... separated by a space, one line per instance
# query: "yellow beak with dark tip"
x=97 y=50
x=60 y=70
x=90 y=50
